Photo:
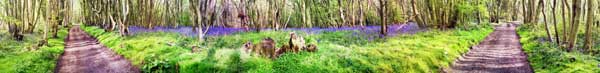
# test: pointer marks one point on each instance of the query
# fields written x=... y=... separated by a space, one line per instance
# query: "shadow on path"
x=500 y=52
x=83 y=54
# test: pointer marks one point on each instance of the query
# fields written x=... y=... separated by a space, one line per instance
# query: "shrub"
x=23 y=59
x=545 y=57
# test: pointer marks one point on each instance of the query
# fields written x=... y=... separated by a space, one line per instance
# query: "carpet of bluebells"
x=393 y=29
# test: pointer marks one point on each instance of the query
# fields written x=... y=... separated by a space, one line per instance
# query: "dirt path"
x=500 y=52
x=83 y=54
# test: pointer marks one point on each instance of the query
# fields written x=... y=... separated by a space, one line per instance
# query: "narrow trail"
x=500 y=52
x=83 y=54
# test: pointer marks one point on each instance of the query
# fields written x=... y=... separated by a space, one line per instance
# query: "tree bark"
x=575 y=24
x=548 y=34
x=590 y=21
x=566 y=22
x=554 y=22
x=383 y=13
x=417 y=15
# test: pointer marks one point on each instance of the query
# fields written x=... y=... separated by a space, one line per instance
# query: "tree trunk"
x=566 y=22
x=548 y=34
x=382 y=12
x=576 y=11
x=417 y=16
x=554 y=22
x=525 y=18
x=590 y=21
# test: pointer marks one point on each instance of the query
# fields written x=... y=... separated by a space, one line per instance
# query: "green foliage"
x=546 y=57
x=468 y=12
x=395 y=12
x=281 y=37
x=152 y=52
x=343 y=38
x=326 y=13
x=372 y=16
x=185 y=19
x=340 y=51
x=482 y=8
x=21 y=57
x=235 y=41
x=399 y=54
x=466 y=8
x=322 y=11
x=413 y=54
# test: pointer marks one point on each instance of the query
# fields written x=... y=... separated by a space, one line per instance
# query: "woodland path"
x=83 y=54
x=500 y=52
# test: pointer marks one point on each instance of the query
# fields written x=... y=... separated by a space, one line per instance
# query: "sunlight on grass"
x=18 y=57
x=339 y=51
x=545 y=57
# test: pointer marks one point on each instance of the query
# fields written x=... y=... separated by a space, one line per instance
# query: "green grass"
x=546 y=57
x=19 y=57
x=338 y=52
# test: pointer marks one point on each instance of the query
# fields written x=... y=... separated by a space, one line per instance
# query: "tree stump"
x=311 y=48
x=195 y=49
x=267 y=46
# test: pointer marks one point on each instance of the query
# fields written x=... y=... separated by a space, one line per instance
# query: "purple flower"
x=393 y=29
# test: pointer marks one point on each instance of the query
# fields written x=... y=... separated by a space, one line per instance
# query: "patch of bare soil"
x=83 y=54
x=500 y=52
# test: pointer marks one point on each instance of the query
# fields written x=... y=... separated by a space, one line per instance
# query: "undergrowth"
x=339 y=51
x=546 y=57
x=26 y=57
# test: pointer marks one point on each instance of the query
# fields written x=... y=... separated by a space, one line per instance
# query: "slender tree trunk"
x=575 y=24
x=478 y=12
x=554 y=22
x=418 y=17
x=566 y=22
x=383 y=13
x=590 y=21
x=525 y=13
x=122 y=22
x=549 y=35
x=341 y=11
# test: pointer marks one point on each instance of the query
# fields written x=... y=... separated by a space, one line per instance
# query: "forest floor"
x=500 y=52
x=341 y=49
x=83 y=53
x=393 y=29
